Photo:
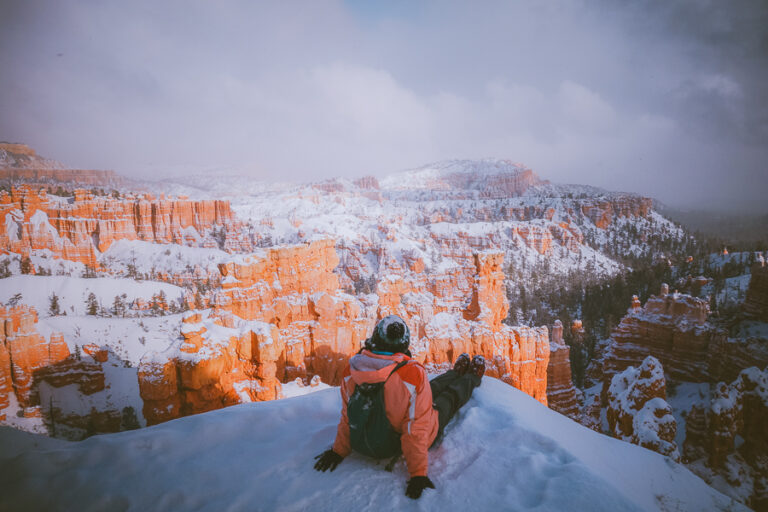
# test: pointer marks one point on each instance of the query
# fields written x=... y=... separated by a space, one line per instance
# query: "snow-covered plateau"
x=503 y=451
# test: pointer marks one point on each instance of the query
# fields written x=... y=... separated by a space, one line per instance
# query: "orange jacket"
x=407 y=400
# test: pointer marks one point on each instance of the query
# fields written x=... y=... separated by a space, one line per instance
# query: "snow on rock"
x=674 y=329
x=78 y=230
x=280 y=315
x=726 y=439
x=637 y=408
x=503 y=451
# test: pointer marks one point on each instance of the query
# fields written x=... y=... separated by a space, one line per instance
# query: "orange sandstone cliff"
x=561 y=394
x=281 y=315
x=76 y=229
x=24 y=352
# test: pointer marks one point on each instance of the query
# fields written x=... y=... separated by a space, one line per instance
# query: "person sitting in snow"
x=417 y=412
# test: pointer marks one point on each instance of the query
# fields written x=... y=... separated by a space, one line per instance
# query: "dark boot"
x=461 y=366
x=477 y=366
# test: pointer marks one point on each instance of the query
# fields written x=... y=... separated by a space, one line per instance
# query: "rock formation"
x=281 y=315
x=77 y=230
x=637 y=408
x=674 y=329
x=739 y=409
x=561 y=394
x=20 y=163
x=23 y=353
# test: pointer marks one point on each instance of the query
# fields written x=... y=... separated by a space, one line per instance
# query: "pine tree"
x=92 y=304
x=26 y=265
x=118 y=306
x=53 y=305
x=129 y=421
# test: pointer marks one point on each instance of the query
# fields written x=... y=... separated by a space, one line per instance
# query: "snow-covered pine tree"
x=53 y=305
x=92 y=304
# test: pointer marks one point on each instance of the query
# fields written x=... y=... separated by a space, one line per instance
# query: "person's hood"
x=367 y=367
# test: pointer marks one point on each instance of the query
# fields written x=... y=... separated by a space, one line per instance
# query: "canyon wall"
x=75 y=229
x=20 y=163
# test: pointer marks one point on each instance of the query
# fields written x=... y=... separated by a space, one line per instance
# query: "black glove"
x=329 y=459
x=416 y=486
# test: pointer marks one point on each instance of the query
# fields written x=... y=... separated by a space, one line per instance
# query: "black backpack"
x=370 y=432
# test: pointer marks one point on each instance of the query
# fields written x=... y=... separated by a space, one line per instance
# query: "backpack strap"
x=397 y=367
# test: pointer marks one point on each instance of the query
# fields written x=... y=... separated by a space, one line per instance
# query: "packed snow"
x=503 y=451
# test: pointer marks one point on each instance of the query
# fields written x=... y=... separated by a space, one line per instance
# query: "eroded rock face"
x=26 y=352
x=736 y=409
x=561 y=394
x=76 y=230
x=673 y=329
x=603 y=212
x=637 y=408
x=280 y=315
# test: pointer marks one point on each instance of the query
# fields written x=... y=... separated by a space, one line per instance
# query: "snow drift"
x=503 y=451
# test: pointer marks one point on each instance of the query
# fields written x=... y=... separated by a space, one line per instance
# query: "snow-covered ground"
x=504 y=451
x=73 y=292
x=128 y=338
x=146 y=257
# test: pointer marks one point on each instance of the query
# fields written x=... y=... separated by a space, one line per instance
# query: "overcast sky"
x=665 y=98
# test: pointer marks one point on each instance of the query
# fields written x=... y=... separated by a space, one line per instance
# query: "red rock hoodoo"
x=561 y=394
x=24 y=352
x=637 y=408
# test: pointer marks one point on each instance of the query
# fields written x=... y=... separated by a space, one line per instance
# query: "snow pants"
x=450 y=391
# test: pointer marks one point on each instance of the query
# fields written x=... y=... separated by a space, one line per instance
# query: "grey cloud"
x=662 y=98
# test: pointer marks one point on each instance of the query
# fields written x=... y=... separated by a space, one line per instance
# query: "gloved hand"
x=416 y=486
x=329 y=459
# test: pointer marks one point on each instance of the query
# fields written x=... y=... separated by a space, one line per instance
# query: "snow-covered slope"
x=73 y=292
x=504 y=451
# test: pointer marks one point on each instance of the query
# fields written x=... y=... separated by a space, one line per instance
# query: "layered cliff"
x=78 y=228
x=674 y=329
x=20 y=163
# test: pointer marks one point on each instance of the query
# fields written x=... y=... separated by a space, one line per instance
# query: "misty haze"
x=336 y=254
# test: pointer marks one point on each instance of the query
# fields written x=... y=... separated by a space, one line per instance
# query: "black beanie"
x=390 y=335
